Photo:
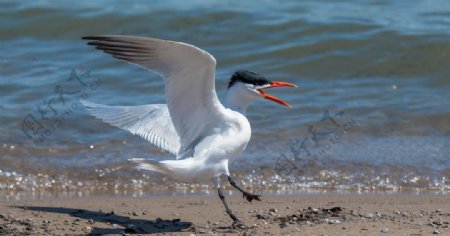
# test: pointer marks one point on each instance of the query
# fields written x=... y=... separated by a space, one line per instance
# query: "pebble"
x=90 y=221
x=369 y=215
x=436 y=231
x=88 y=228
x=334 y=221
x=384 y=230
x=273 y=210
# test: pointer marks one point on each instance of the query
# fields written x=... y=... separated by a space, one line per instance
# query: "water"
x=372 y=112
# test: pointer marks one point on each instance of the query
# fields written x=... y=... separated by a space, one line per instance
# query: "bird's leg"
x=245 y=194
x=236 y=222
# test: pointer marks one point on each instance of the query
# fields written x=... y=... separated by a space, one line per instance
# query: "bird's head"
x=249 y=85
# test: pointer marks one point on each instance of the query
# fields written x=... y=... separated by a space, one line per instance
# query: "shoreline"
x=12 y=196
x=349 y=214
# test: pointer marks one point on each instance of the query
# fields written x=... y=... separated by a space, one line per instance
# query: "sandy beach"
x=319 y=214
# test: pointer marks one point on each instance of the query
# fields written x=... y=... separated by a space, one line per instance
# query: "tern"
x=200 y=131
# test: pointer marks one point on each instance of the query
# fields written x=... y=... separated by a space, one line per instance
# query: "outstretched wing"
x=189 y=80
x=151 y=122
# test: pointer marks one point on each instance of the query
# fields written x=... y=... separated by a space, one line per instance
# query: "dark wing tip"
x=95 y=37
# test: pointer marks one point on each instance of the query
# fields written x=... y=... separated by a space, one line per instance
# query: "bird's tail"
x=185 y=170
x=145 y=164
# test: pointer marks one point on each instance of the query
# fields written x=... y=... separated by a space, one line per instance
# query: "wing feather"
x=151 y=122
x=189 y=74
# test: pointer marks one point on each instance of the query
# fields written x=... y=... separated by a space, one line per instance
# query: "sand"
x=319 y=214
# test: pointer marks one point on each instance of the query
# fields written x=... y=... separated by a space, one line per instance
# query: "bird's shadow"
x=130 y=226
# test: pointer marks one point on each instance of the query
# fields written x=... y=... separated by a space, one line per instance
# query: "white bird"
x=202 y=133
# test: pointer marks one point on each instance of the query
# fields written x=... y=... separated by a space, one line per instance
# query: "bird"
x=202 y=133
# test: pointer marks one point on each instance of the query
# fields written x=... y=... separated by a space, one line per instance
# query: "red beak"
x=273 y=98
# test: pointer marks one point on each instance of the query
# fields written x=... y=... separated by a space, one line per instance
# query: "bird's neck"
x=236 y=101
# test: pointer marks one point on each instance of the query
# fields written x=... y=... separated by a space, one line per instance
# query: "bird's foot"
x=238 y=225
x=250 y=197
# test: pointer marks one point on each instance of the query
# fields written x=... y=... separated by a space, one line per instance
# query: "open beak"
x=273 y=98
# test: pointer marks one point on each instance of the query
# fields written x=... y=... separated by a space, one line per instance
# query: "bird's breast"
x=226 y=141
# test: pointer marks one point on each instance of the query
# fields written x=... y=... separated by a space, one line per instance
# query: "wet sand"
x=321 y=214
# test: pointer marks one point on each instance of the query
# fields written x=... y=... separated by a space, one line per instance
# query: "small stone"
x=90 y=221
x=114 y=225
x=397 y=212
x=369 y=215
x=88 y=228
x=334 y=221
x=288 y=207
x=385 y=230
x=436 y=231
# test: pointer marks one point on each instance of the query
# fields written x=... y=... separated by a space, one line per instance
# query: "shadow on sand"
x=130 y=226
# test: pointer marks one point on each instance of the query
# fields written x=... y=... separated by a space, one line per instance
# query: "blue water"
x=380 y=65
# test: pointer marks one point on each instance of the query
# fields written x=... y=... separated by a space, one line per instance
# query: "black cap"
x=248 y=77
